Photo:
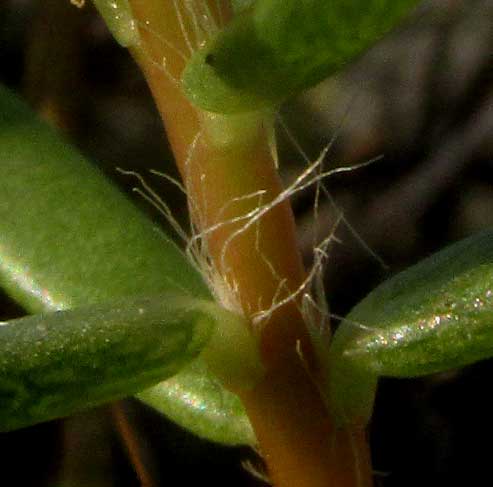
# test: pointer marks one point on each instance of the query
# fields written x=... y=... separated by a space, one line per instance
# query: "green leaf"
x=280 y=47
x=430 y=318
x=69 y=238
x=55 y=364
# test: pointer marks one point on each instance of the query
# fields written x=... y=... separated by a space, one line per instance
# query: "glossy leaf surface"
x=220 y=416
x=433 y=317
x=54 y=364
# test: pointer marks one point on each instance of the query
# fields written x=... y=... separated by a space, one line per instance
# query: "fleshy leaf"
x=430 y=318
x=280 y=47
x=69 y=238
x=54 y=364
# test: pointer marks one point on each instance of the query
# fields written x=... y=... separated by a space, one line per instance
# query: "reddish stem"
x=294 y=429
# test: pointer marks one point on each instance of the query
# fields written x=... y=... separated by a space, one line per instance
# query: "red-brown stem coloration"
x=294 y=430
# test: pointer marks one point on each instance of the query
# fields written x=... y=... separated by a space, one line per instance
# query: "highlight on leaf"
x=268 y=53
x=209 y=411
x=430 y=318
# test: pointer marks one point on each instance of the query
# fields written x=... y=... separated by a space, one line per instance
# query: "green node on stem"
x=232 y=352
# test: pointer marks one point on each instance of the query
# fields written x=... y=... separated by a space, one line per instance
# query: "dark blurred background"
x=422 y=98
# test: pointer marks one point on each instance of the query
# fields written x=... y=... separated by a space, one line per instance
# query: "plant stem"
x=293 y=427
